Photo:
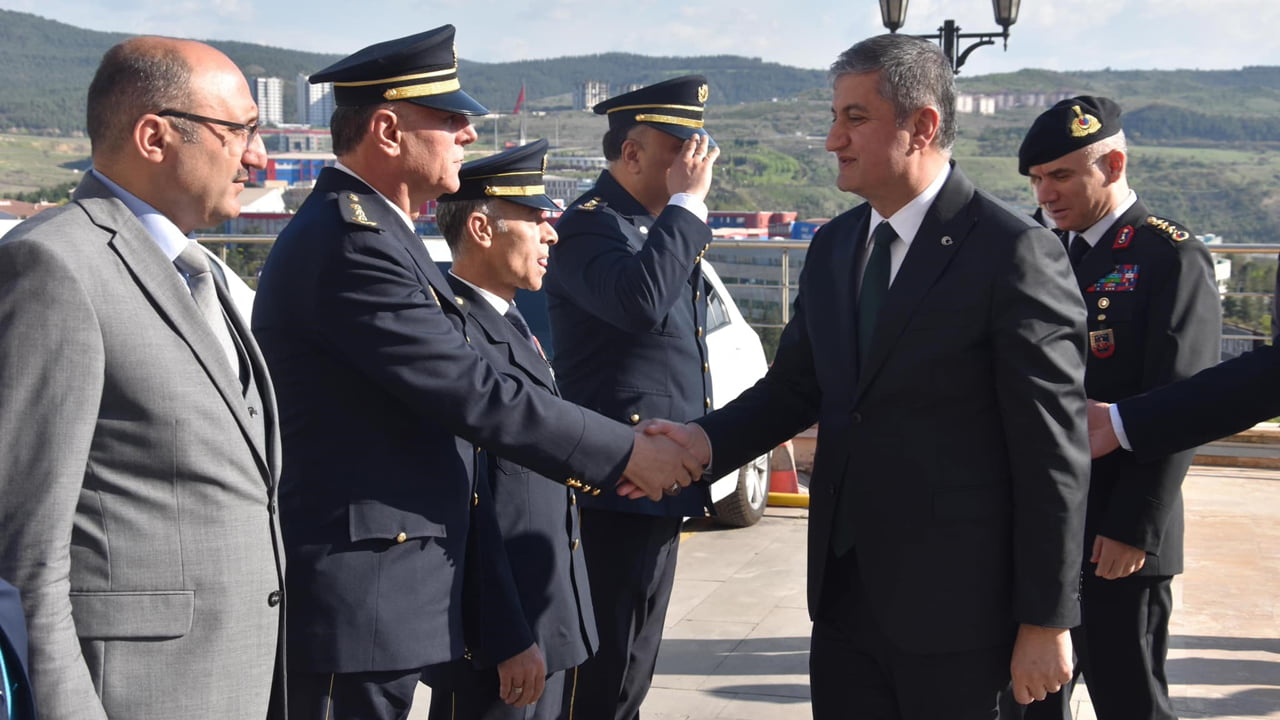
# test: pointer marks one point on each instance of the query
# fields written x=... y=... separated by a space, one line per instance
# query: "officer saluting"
x=1154 y=318
x=628 y=307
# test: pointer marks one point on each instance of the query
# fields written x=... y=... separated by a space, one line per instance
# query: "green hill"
x=49 y=65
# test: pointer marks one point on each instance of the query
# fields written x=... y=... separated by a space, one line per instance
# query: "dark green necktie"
x=875 y=285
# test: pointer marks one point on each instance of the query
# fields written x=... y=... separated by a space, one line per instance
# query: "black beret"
x=1066 y=127
x=421 y=69
x=514 y=175
x=673 y=106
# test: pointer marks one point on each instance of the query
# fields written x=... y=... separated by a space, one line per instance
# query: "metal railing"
x=783 y=290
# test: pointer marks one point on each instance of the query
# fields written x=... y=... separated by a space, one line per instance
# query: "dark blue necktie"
x=515 y=318
x=1079 y=248
x=875 y=285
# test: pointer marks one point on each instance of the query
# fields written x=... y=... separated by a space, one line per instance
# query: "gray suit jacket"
x=137 y=506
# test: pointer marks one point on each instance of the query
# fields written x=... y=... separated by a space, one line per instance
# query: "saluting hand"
x=690 y=172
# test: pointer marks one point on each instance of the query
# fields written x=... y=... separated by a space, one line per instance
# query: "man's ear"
x=924 y=124
x=151 y=137
x=1113 y=164
x=479 y=229
x=630 y=158
x=384 y=128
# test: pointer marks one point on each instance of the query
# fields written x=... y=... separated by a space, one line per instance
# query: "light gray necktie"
x=193 y=262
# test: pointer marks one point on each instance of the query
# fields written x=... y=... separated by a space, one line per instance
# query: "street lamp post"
x=894 y=12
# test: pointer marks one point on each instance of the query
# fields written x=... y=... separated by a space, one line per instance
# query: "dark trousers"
x=857 y=673
x=471 y=694
x=356 y=696
x=631 y=561
x=1121 y=644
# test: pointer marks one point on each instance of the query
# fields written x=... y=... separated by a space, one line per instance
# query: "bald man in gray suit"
x=138 y=443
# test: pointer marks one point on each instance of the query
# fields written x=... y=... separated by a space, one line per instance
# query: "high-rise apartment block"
x=315 y=102
x=268 y=92
x=589 y=92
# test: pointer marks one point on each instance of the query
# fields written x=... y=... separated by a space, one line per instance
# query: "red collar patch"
x=1123 y=238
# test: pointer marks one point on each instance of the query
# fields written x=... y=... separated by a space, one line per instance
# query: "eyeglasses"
x=249 y=129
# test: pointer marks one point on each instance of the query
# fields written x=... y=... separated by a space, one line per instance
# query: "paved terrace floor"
x=737 y=638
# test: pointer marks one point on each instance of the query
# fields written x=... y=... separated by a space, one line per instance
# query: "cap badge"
x=703 y=92
x=1083 y=124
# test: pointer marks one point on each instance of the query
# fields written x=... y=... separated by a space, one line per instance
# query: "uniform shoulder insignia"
x=1169 y=229
x=592 y=204
x=353 y=212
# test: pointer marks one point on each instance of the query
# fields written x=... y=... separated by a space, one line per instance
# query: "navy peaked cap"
x=514 y=175
x=421 y=69
x=673 y=106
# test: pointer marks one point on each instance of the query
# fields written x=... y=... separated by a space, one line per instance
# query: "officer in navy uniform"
x=1154 y=318
x=384 y=404
x=498 y=228
x=628 y=307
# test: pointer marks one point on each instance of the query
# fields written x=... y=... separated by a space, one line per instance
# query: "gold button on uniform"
x=475 y=498
x=635 y=418
x=706 y=367
x=707 y=403
x=1104 y=302
x=699 y=333
x=401 y=537
x=573 y=545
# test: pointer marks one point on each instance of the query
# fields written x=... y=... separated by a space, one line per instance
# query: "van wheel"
x=745 y=505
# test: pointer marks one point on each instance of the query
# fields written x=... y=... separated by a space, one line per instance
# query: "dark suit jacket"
x=377 y=379
x=1216 y=402
x=13 y=649
x=963 y=440
x=628 y=308
x=538 y=560
x=1154 y=317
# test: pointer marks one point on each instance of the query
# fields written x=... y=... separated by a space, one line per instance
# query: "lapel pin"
x=946 y=240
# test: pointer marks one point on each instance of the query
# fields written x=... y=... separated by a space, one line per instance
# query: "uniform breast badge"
x=1102 y=343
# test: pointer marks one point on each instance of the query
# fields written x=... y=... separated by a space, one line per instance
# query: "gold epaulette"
x=594 y=203
x=353 y=212
x=1169 y=229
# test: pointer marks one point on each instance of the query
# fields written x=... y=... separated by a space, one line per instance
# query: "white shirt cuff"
x=1117 y=426
x=690 y=202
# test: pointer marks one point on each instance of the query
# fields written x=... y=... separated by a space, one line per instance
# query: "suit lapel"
x=944 y=230
x=160 y=281
x=503 y=334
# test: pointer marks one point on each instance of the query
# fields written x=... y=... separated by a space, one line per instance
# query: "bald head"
x=145 y=75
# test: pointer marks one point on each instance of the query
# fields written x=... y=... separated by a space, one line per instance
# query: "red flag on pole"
x=519 y=101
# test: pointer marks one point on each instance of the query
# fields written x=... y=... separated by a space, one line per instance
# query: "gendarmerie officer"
x=1154 y=318
x=499 y=230
x=628 y=308
x=384 y=403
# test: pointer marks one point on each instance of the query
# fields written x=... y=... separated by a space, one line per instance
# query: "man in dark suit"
x=628 y=308
x=938 y=341
x=1154 y=318
x=498 y=228
x=384 y=404
x=139 y=450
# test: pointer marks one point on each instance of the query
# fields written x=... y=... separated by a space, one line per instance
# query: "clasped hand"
x=665 y=457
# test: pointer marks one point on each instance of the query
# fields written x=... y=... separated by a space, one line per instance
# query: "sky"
x=1054 y=34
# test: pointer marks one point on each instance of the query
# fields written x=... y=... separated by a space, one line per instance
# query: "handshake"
x=665 y=458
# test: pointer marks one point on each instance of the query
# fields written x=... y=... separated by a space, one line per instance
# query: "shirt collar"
x=907 y=221
x=498 y=303
x=171 y=240
x=403 y=215
x=1094 y=233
